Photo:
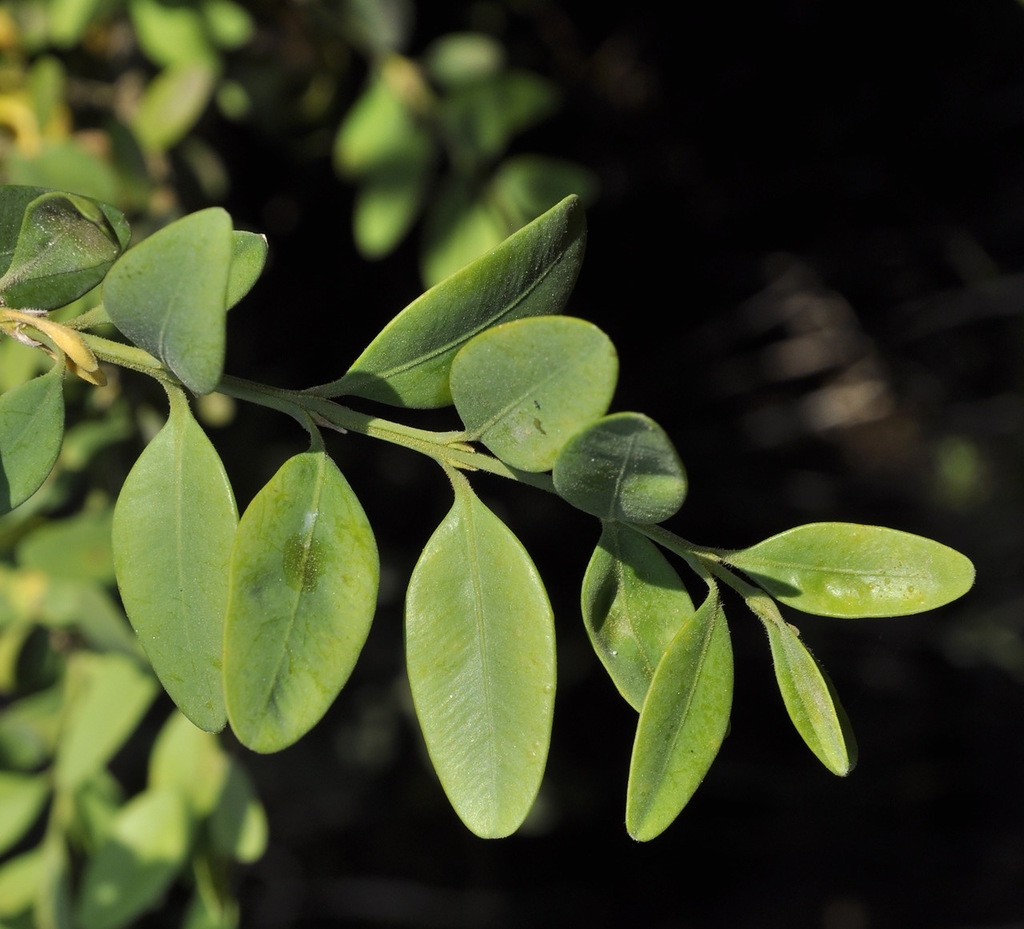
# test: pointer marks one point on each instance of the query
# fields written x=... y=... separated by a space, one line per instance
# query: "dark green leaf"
x=530 y=273
x=304 y=575
x=849 y=570
x=481 y=658
x=174 y=523
x=622 y=467
x=683 y=722
x=525 y=387
x=633 y=605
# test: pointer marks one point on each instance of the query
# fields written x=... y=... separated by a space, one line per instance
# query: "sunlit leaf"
x=633 y=605
x=238 y=823
x=191 y=761
x=683 y=722
x=169 y=295
x=174 y=523
x=75 y=547
x=849 y=570
x=31 y=429
x=622 y=467
x=22 y=798
x=147 y=848
x=19 y=882
x=304 y=573
x=481 y=662
x=530 y=273
x=171 y=33
x=525 y=387
x=810 y=700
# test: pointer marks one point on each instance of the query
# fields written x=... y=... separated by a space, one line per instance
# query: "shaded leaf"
x=248 y=256
x=174 y=523
x=481 y=661
x=633 y=605
x=238 y=823
x=622 y=467
x=849 y=570
x=169 y=295
x=22 y=798
x=683 y=722
x=525 y=387
x=530 y=273
x=810 y=700
x=31 y=430
x=191 y=761
x=303 y=590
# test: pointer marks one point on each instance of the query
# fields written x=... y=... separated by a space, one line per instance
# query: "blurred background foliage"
x=806 y=240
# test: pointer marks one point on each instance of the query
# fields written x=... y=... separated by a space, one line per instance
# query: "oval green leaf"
x=248 y=256
x=31 y=431
x=169 y=295
x=524 y=388
x=65 y=246
x=304 y=574
x=147 y=847
x=810 y=700
x=633 y=605
x=622 y=467
x=480 y=651
x=683 y=722
x=22 y=798
x=529 y=274
x=174 y=523
x=852 y=571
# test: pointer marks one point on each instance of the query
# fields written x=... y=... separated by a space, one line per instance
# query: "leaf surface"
x=683 y=722
x=303 y=590
x=849 y=570
x=529 y=274
x=22 y=798
x=481 y=661
x=174 y=523
x=525 y=387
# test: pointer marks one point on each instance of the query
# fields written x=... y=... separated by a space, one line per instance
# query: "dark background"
x=808 y=249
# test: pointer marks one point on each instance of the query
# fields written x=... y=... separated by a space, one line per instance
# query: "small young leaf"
x=22 y=798
x=811 y=701
x=174 y=523
x=65 y=246
x=169 y=295
x=481 y=658
x=633 y=605
x=31 y=430
x=147 y=848
x=848 y=570
x=303 y=591
x=249 y=255
x=172 y=103
x=683 y=722
x=622 y=467
x=524 y=387
x=529 y=274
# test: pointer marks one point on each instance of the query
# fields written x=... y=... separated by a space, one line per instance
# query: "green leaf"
x=683 y=722
x=481 y=659
x=174 y=523
x=53 y=896
x=171 y=33
x=622 y=467
x=169 y=295
x=810 y=700
x=19 y=882
x=31 y=430
x=851 y=571
x=22 y=798
x=523 y=388
x=530 y=273
x=304 y=574
x=190 y=761
x=249 y=255
x=238 y=823
x=386 y=207
x=111 y=696
x=147 y=848
x=75 y=547
x=65 y=245
x=633 y=605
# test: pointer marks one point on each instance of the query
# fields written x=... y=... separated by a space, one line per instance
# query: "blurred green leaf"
x=19 y=882
x=525 y=387
x=810 y=700
x=171 y=33
x=621 y=467
x=481 y=659
x=531 y=273
x=460 y=58
x=172 y=104
x=683 y=722
x=173 y=313
x=633 y=605
x=190 y=760
x=75 y=547
x=849 y=570
x=303 y=591
x=31 y=429
x=238 y=823
x=174 y=523
x=527 y=185
x=68 y=20
x=22 y=798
